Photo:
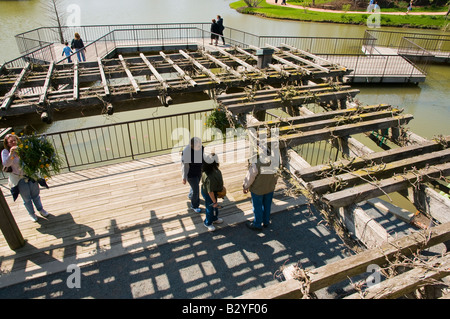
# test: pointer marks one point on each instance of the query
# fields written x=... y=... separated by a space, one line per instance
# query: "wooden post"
x=9 y=226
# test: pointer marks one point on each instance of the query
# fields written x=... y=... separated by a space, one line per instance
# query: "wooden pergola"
x=41 y=90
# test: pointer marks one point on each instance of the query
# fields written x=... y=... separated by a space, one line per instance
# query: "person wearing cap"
x=261 y=179
x=212 y=182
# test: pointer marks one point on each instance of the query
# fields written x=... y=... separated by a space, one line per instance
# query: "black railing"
x=93 y=146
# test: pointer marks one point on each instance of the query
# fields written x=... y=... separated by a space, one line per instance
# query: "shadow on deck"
x=130 y=228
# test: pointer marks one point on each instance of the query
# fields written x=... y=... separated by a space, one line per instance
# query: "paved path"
x=355 y=12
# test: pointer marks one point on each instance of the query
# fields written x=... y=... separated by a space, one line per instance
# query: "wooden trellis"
x=37 y=89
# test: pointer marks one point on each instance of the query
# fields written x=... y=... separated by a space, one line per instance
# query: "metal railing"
x=426 y=46
x=112 y=143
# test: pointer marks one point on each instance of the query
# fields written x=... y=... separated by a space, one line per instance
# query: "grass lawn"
x=281 y=12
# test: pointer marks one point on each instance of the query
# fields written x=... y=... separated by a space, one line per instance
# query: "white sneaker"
x=197 y=210
x=218 y=221
x=34 y=217
x=43 y=213
x=210 y=227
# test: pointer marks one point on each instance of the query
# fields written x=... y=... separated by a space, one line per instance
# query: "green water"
x=428 y=101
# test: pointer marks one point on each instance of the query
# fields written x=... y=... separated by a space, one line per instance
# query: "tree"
x=56 y=13
x=252 y=3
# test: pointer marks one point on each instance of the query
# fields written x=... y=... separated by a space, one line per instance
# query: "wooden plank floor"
x=104 y=212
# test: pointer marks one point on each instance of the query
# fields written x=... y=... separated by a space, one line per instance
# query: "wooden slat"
x=308 y=54
x=286 y=62
x=43 y=97
x=76 y=88
x=402 y=284
x=296 y=101
x=222 y=65
x=249 y=67
x=178 y=69
x=129 y=74
x=337 y=271
x=103 y=76
x=295 y=57
x=154 y=71
x=343 y=130
x=386 y=186
x=201 y=67
x=373 y=158
x=10 y=95
x=289 y=121
x=315 y=125
x=270 y=65
x=362 y=175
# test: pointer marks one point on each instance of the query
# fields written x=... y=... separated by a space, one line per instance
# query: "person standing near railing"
x=221 y=27
x=78 y=46
x=67 y=51
x=19 y=183
x=191 y=170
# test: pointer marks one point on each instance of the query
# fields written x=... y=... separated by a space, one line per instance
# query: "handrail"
x=94 y=145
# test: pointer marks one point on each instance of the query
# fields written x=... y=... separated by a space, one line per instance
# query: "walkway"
x=137 y=205
x=355 y=12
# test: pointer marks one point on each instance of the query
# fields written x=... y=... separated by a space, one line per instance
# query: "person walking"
x=221 y=27
x=409 y=9
x=67 y=52
x=212 y=183
x=261 y=179
x=214 y=32
x=78 y=46
x=191 y=170
x=26 y=187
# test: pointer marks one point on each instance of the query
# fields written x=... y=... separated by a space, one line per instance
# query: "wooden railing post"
x=9 y=226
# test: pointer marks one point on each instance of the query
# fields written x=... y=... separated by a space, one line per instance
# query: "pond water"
x=428 y=101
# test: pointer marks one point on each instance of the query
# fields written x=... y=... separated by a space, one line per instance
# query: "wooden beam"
x=337 y=271
x=373 y=158
x=432 y=203
x=270 y=65
x=307 y=97
x=43 y=97
x=310 y=116
x=103 y=76
x=249 y=67
x=222 y=65
x=386 y=186
x=154 y=72
x=10 y=95
x=343 y=130
x=295 y=57
x=178 y=69
x=76 y=88
x=363 y=227
x=286 y=62
x=355 y=177
x=129 y=74
x=201 y=67
x=402 y=284
x=308 y=54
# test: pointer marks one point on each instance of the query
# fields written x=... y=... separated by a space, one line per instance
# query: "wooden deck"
x=105 y=212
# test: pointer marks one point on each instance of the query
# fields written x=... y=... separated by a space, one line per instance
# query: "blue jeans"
x=29 y=191
x=211 y=213
x=81 y=55
x=261 y=208
x=194 y=193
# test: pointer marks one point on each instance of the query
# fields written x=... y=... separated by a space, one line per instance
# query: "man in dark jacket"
x=191 y=170
x=221 y=27
x=215 y=31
